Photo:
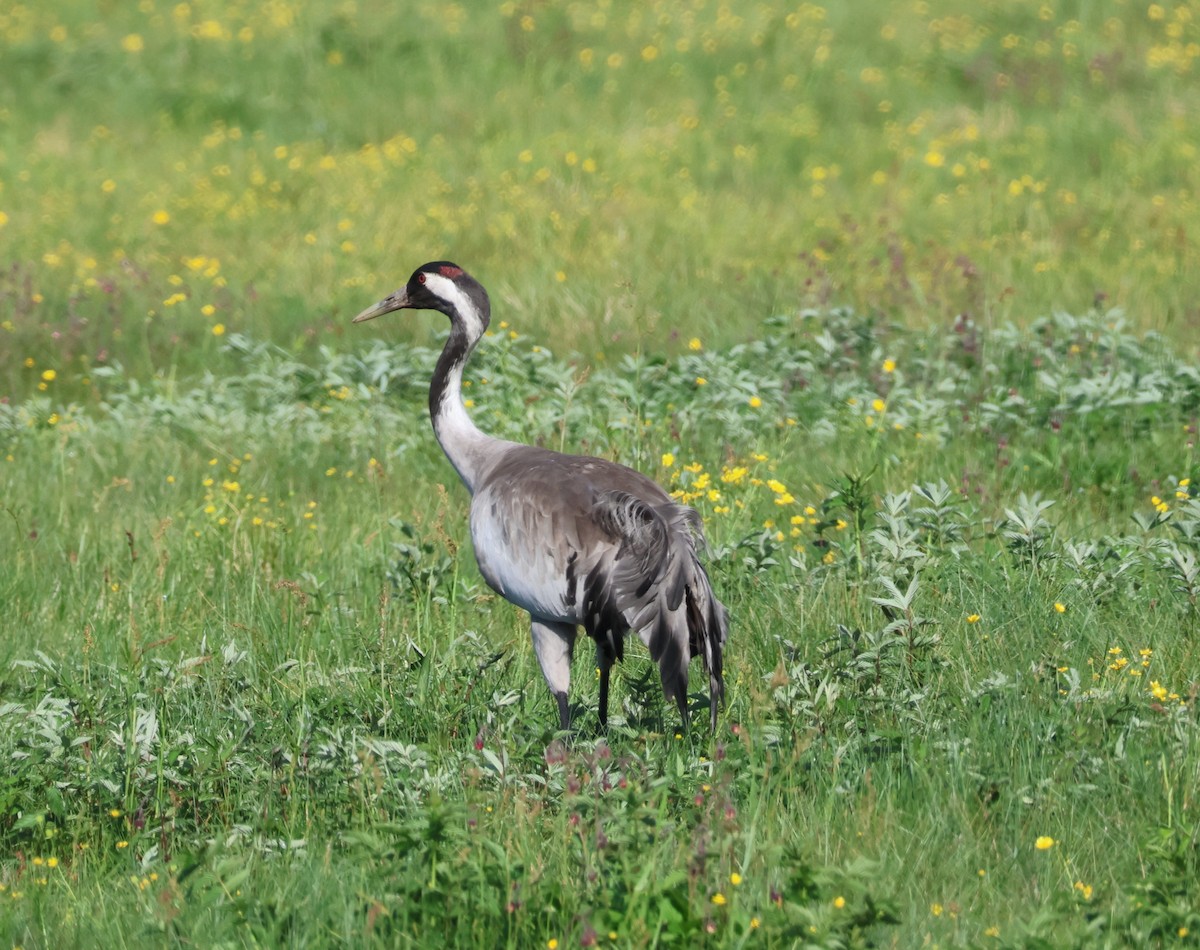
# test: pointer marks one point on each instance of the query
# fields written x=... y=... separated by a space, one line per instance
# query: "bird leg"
x=553 y=643
x=605 y=663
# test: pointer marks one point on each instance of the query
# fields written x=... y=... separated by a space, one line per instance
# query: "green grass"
x=253 y=690
x=257 y=693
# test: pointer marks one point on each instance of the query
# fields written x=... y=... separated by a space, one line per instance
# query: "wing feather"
x=657 y=586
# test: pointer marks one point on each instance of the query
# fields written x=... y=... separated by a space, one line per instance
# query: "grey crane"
x=573 y=540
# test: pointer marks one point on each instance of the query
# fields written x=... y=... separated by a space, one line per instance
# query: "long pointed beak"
x=396 y=301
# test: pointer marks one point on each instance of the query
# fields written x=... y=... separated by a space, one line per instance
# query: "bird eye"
x=420 y=278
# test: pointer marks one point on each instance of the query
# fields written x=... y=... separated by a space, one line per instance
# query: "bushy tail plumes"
x=656 y=585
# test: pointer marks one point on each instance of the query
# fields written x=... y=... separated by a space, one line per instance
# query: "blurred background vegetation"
x=618 y=174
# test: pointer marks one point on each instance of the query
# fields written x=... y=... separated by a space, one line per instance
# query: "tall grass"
x=257 y=693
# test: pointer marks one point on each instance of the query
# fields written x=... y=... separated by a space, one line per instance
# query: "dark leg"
x=605 y=667
x=564 y=714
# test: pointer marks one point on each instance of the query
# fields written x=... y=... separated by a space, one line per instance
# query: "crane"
x=574 y=540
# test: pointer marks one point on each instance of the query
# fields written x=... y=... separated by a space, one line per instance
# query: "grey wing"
x=653 y=582
x=533 y=533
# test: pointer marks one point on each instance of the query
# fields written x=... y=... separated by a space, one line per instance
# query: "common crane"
x=572 y=539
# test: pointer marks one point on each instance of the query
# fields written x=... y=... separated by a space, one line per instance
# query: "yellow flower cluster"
x=782 y=495
x=737 y=488
x=1119 y=662
x=226 y=502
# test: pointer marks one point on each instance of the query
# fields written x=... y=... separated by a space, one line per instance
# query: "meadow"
x=901 y=297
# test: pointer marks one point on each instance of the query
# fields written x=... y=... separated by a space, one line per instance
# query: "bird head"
x=438 y=285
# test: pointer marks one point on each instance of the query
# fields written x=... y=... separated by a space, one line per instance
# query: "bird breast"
x=527 y=554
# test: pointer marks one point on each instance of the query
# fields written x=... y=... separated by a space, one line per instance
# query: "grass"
x=252 y=688
x=256 y=691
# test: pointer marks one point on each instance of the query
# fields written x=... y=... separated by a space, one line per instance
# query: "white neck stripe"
x=448 y=290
